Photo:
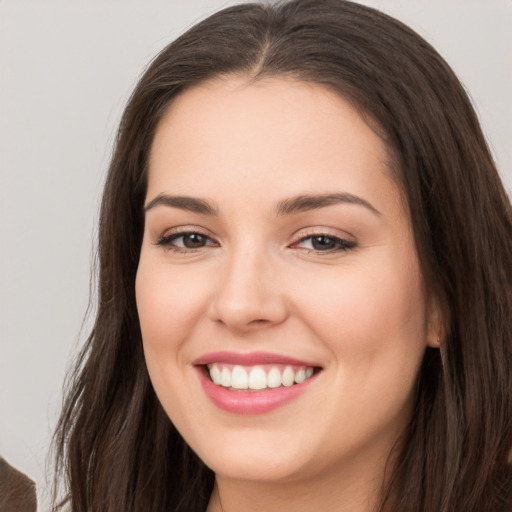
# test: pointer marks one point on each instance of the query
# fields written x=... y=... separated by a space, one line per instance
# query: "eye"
x=324 y=243
x=186 y=241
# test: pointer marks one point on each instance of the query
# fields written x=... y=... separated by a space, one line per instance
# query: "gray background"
x=66 y=69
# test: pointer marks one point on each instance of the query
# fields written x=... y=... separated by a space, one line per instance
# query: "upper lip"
x=249 y=359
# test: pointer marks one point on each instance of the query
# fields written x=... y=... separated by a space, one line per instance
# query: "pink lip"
x=249 y=359
x=250 y=402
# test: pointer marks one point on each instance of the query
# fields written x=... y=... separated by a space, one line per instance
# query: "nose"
x=248 y=296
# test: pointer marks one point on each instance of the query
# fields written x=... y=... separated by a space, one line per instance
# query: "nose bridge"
x=247 y=294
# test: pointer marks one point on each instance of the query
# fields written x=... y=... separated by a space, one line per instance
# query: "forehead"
x=274 y=135
x=272 y=106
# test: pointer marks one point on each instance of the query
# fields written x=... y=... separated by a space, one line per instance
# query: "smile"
x=254 y=383
x=258 y=377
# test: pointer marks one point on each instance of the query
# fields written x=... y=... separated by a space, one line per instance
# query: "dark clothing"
x=17 y=491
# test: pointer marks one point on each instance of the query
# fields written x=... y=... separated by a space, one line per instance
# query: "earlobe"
x=436 y=343
x=436 y=323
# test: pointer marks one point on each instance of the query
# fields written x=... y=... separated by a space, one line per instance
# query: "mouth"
x=258 y=377
x=253 y=383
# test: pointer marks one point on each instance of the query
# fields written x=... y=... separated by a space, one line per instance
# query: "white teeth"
x=225 y=378
x=216 y=374
x=274 y=378
x=288 y=377
x=300 y=376
x=256 y=377
x=239 y=378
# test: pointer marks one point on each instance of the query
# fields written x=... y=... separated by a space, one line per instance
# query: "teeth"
x=288 y=377
x=300 y=376
x=216 y=374
x=257 y=377
x=274 y=378
x=239 y=378
x=225 y=378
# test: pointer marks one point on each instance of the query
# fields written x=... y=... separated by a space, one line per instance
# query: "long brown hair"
x=116 y=448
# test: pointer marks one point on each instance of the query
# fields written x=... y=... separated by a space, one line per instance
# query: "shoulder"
x=17 y=491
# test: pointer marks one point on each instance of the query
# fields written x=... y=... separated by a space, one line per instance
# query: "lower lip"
x=251 y=402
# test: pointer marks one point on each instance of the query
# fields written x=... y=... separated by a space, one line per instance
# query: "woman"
x=304 y=298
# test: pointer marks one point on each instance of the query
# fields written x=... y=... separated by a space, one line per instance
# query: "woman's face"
x=278 y=260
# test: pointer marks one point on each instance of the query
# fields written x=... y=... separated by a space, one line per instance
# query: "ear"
x=436 y=322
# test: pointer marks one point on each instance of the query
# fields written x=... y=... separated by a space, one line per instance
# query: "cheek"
x=373 y=322
x=371 y=318
x=168 y=303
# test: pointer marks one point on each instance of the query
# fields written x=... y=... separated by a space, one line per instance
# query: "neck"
x=353 y=489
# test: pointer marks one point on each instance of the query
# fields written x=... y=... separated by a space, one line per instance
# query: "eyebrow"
x=301 y=203
x=305 y=203
x=190 y=204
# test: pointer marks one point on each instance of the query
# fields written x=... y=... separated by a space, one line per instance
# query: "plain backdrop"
x=66 y=70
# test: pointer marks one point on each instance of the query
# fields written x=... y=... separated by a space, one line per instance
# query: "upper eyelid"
x=168 y=242
x=298 y=236
x=183 y=230
x=344 y=241
x=177 y=235
x=320 y=233
x=305 y=233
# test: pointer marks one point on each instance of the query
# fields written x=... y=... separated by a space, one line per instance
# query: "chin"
x=257 y=469
x=258 y=456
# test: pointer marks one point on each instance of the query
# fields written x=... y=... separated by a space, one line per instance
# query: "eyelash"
x=341 y=244
x=167 y=241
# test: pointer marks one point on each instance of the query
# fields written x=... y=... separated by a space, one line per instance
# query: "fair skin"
x=333 y=282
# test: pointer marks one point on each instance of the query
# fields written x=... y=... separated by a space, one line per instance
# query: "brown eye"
x=193 y=240
x=323 y=243
x=184 y=241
